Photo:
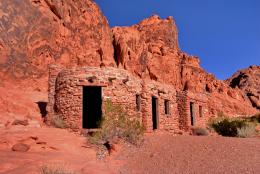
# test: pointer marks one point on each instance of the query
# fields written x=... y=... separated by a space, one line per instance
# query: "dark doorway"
x=92 y=107
x=42 y=106
x=155 y=112
x=167 y=107
x=192 y=113
x=201 y=111
x=138 y=102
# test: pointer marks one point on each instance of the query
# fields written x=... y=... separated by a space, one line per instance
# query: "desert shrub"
x=214 y=120
x=227 y=127
x=199 y=131
x=246 y=131
x=56 y=169
x=58 y=122
x=116 y=123
x=255 y=118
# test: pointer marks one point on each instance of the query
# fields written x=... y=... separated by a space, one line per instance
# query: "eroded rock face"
x=150 y=50
x=36 y=33
x=248 y=80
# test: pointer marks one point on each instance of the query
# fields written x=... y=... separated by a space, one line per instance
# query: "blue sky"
x=225 y=34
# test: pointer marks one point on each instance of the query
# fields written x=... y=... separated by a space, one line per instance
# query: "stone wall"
x=54 y=70
x=183 y=109
x=170 y=121
x=120 y=87
x=201 y=111
x=117 y=86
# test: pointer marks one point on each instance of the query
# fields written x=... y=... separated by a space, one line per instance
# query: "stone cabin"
x=77 y=96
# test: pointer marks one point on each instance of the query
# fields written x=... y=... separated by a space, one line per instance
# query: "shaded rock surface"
x=20 y=122
x=20 y=147
x=248 y=80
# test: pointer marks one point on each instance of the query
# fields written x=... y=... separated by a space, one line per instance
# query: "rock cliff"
x=150 y=50
x=36 y=33
x=248 y=80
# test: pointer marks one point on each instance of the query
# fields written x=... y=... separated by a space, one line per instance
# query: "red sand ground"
x=53 y=146
x=191 y=154
x=161 y=154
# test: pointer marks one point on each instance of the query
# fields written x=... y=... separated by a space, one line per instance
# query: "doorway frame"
x=192 y=114
x=84 y=110
x=155 y=113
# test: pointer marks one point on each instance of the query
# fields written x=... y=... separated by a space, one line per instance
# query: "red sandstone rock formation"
x=36 y=33
x=248 y=80
x=150 y=50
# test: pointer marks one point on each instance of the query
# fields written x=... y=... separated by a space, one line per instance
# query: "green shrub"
x=227 y=127
x=56 y=169
x=116 y=123
x=246 y=131
x=199 y=131
x=235 y=127
x=58 y=122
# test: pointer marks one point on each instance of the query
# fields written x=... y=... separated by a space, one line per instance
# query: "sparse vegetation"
x=247 y=131
x=56 y=169
x=228 y=127
x=234 y=127
x=116 y=123
x=255 y=118
x=58 y=122
x=199 y=131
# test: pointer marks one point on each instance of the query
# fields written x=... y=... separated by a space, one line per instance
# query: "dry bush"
x=226 y=126
x=58 y=122
x=56 y=168
x=249 y=130
x=199 y=131
x=234 y=127
x=116 y=123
